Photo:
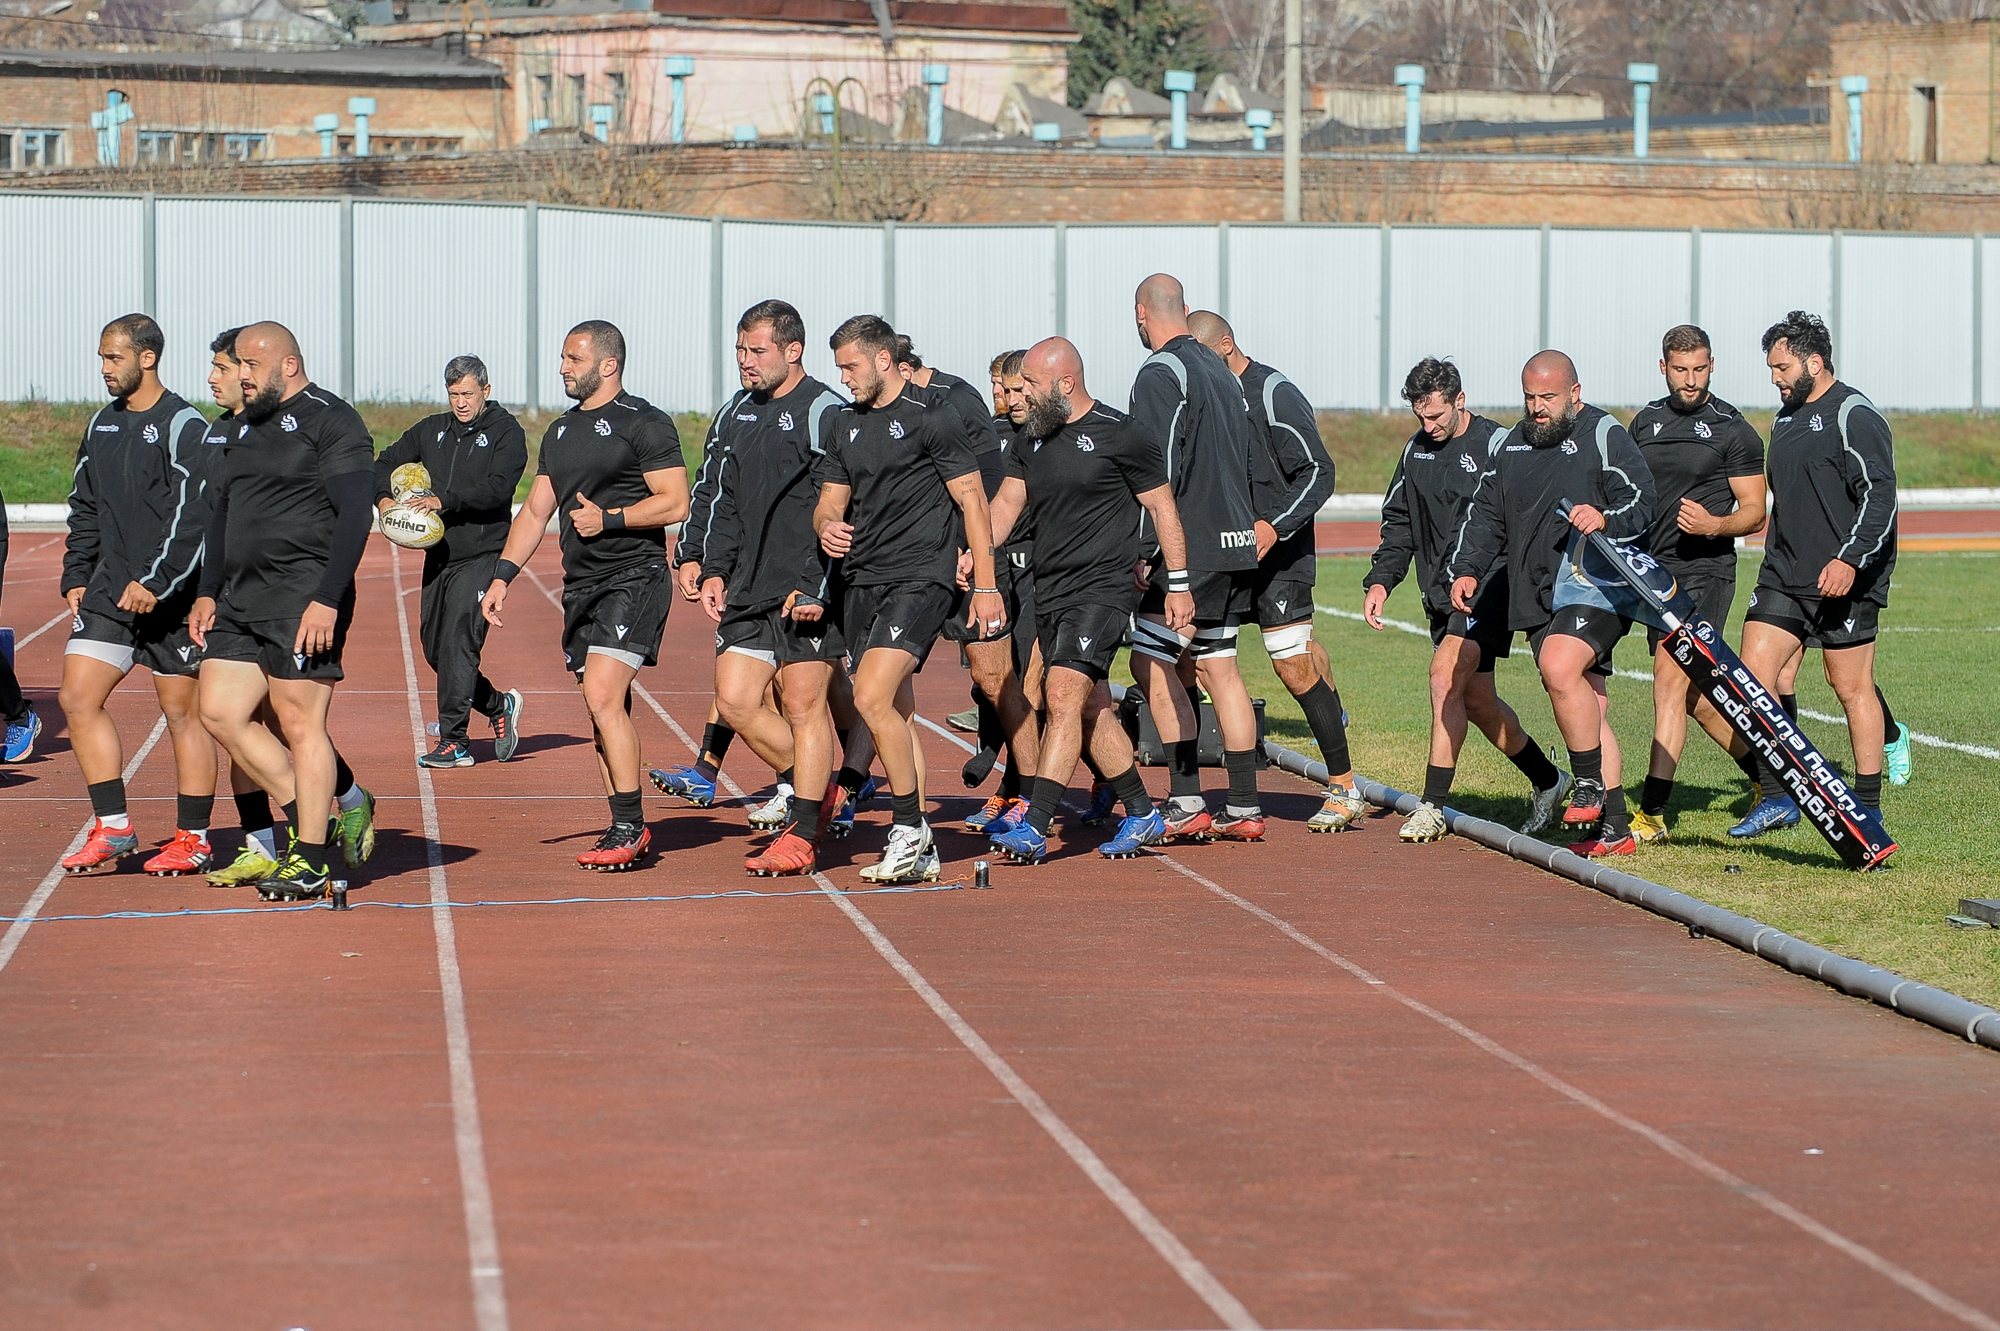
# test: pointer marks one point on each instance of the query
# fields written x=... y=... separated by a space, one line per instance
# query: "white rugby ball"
x=410 y=528
x=412 y=478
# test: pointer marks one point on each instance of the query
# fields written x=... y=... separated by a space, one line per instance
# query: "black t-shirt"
x=1188 y=403
x=605 y=454
x=275 y=475
x=896 y=459
x=1083 y=486
x=1693 y=456
x=1021 y=540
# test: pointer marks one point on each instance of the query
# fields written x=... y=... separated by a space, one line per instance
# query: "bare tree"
x=1926 y=11
x=1543 y=41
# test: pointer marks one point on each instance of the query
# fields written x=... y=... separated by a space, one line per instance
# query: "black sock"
x=851 y=781
x=1322 y=708
x=1010 y=783
x=1773 y=785
x=343 y=775
x=785 y=778
x=107 y=798
x=1747 y=764
x=193 y=812
x=805 y=817
x=315 y=856
x=1184 y=767
x=626 y=808
x=908 y=810
x=1131 y=790
x=1534 y=764
x=1868 y=788
x=1616 y=823
x=291 y=808
x=1242 y=765
x=1888 y=717
x=1587 y=764
x=1042 y=810
x=1653 y=796
x=1437 y=783
x=253 y=811
x=1790 y=702
x=715 y=738
x=991 y=736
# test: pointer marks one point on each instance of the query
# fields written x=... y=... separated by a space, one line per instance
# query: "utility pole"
x=1294 y=121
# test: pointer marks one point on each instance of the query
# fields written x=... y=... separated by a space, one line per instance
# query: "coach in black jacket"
x=475 y=454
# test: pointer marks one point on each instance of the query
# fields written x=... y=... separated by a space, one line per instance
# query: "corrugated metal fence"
x=383 y=292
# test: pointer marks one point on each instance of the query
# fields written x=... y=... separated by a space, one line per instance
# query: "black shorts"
x=906 y=616
x=158 y=640
x=1221 y=600
x=957 y=630
x=1600 y=628
x=1827 y=622
x=770 y=636
x=1278 y=601
x=622 y=616
x=1712 y=594
x=267 y=644
x=1083 y=638
x=1490 y=632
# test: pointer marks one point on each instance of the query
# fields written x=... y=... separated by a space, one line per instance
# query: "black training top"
x=757 y=498
x=277 y=512
x=1424 y=508
x=1191 y=407
x=605 y=453
x=1512 y=517
x=1692 y=456
x=474 y=467
x=1293 y=475
x=1020 y=545
x=139 y=508
x=897 y=459
x=1833 y=496
x=974 y=410
x=1083 y=482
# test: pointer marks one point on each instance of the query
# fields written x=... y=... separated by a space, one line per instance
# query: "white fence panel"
x=1989 y=314
x=1473 y=297
x=441 y=280
x=229 y=262
x=1905 y=336
x=1104 y=267
x=965 y=294
x=1309 y=301
x=647 y=275
x=1612 y=294
x=1749 y=281
x=78 y=264
x=829 y=273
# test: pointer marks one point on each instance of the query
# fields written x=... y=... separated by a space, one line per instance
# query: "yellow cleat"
x=250 y=867
x=1649 y=828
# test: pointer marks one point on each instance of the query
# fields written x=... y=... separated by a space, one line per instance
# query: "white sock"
x=785 y=789
x=352 y=798
x=266 y=842
x=118 y=822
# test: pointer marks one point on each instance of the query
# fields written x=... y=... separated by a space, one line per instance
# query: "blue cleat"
x=21 y=737
x=1895 y=757
x=1102 y=800
x=1770 y=815
x=1022 y=844
x=1013 y=813
x=867 y=791
x=1134 y=835
x=685 y=782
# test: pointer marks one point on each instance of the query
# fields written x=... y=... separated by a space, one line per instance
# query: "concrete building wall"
x=1931 y=90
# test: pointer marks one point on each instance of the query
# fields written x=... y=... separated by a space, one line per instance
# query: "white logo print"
x=1657 y=427
x=853 y=434
x=440 y=438
x=815 y=642
x=895 y=633
x=1753 y=599
x=1465 y=461
x=289 y=424
x=621 y=631
x=151 y=434
x=480 y=442
x=1850 y=626
x=895 y=429
x=1281 y=607
x=1569 y=446
x=785 y=423
x=1817 y=422
x=186 y=652
x=76 y=623
x=604 y=427
x=560 y=429
x=1470 y=621
x=718 y=641
x=242 y=429
x=1701 y=428
x=300 y=658
x=1581 y=621
x=1084 y=643
x=1086 y=444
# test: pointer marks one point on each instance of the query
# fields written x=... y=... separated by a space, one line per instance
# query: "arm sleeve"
x=353 y=506
x=1745 y=455
x=657 y=444
x=1399 y=545
x=1156 y=410
x=406 y=449
x=1625 y=487
x=1481 y=532
x=723 y=541
x=693 y=542
x=1303 y=463
x=191 y=473
x=80 y=555
x=1138 y=460
x=945 y=442
x=506 y=458
x=1868 y=461
x=213 y=564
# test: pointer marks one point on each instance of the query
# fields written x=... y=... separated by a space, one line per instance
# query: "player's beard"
x=1680 y=406
x=1047 y=414
x=1548 y=435
x=1798 y=391
x=869 y=391
x=586 y=384
x=128 y=381
x=263 y=404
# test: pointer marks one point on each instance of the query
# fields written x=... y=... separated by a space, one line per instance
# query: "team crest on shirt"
x=604 y=427
x=1818 y=422
x=896 y=429
x=480 y=442
x=440 y=438
x=1701 y=428
x=289 y=423
x=785 y=423
x=1465 y=461
x=1086 y=444
x=151 y=434
x=1569 y=446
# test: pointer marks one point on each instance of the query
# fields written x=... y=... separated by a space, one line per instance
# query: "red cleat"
x=102 y=849
x=1196 y=825
x=188 y=852
x=1226 y=828
x=1597 y=846
x=789 y=854
x=620 y=848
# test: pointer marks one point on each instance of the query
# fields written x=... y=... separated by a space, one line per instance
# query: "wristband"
x=614 y=519
x=1178 y=580
x=985 y=591
x=507 y=570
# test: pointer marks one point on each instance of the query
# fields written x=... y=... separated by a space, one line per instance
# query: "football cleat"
x=1342 y=809
x=1597 y=847
x=294 y=880
x=909 y=858
x=1134 y=835
x=686 y=783
x=789 y=854
x=1425 y=824
x=1014 y=815
x=1193 y=823
x=357 y=832
x=1896 y=757
x=982 y=817
x=1231 y=827
x=836 y=813
x=1103 y=799
x=21 y=737
x=251 y=865
x=966 y=721
x=1544 y=810
x=1769 y=816
x=774 y=812
x=103 y=848
x=507 y=725
x=1586 y=801
x=1022 y=844
x=1649 y=828
x=622 y=846
x=447 y=754
x=188 y=852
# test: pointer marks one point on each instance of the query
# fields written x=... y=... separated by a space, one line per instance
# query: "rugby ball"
x=411 y=529
x=412 y=478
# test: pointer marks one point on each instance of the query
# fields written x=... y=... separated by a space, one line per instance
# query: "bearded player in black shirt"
x=611 y=465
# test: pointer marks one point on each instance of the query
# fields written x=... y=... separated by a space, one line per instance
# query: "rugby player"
x=137 y=515
x=1562 y=449
x=1708 y=477
x=611 y=466
x=1421 y=515
x=474 y=454
x=1291 y=476
x=291 y=521
x=1080 y=478
x=1187 y=402
x=1830 y=552
x=894 y=475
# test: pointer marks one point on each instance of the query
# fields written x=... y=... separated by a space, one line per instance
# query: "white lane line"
x=46 y=888
x=1930 y=741
x=1701 y=1164
x=62 y=618
x=489 y=1297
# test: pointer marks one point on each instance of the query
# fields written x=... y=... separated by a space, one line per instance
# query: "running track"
x=1324 y=1081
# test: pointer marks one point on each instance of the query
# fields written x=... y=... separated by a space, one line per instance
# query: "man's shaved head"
x=274 y=338
x=1162 y=294
x=1054 y=358
x=1544 y=364
x=1052 y=386
x=1209 y=328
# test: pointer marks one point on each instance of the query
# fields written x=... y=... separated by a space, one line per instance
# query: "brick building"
x=1931 y=90
x=239 y=105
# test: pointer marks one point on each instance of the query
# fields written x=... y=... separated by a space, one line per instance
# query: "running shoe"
x=1586 y=802
x=1769 y=816
x=21 y=737
x=1103 y=799
x=910 y=858
x=983 y=816
x=507 y=725
x=251 y=865
x=1543 y=811
x=966 y=721
x=103 y=848
x=1232 y=827
x=1134 y=835
x=1022 y=844
x=448 y=753
x=789 y=854
x=774 y=812
x=294 y=880
x=622 y=846
x=1013 y=815
x=1341 y=810
x=1180 y=822
x=686 y=783
x=1597 y=847
x=1650 y=828
x=188 y=852
x=1425 y=824
x=357 y=832
x=1896 y=757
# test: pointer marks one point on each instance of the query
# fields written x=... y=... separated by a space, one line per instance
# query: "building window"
x=616 y=83
x=242 y=147
x=158 y=145
x=574 y=112
x=41 y=147
x=6 y=152
x=1927 y=123
x=545 y=98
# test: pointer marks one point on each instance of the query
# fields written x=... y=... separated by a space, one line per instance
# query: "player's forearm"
x=524 y=537
x=1167 y=527
x=1004 y=512
x=655 y=510
x=979 y=539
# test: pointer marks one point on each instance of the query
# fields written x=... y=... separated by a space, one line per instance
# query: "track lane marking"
x=19 y=643
x=489 y=1298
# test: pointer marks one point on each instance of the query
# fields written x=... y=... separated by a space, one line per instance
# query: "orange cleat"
x=1598 y=846
x=102 y=849
x=188 y=852
x=789 y=854
x=1250 y=827
x=621 y=847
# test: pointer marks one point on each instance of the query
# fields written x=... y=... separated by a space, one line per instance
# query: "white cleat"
x=910 y=858
x=1343 y=809
x=1426 y=824
x=1546 y=804
x=774 y=812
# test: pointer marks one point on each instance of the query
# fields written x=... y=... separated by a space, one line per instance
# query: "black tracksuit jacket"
x=140 y=505
x=475 y=467
x=1292 y=474
x=1425 y=506
x=1832 y=468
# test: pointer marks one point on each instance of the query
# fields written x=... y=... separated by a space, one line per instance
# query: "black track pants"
x=454 y=632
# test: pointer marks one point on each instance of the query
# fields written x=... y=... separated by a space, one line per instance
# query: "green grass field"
x=1940 y=639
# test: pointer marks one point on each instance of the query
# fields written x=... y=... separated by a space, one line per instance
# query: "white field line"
x=62 y=618
x=489 y=1297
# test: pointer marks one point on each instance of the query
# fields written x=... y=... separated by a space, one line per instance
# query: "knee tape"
x=1156 y=641
x=1291 y=640
x=1214 y=642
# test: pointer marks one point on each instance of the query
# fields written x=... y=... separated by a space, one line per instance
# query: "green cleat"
x=357 y=832
x=250 y=866
x=1896 y=757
